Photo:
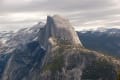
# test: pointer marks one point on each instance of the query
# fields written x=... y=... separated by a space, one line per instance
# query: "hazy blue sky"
x=82 y=13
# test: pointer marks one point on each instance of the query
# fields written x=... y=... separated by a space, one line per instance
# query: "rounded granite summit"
x=59 y=28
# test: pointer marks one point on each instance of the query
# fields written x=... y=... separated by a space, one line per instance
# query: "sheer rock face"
x=60 y=28
x=63 y=59
x=68 y=61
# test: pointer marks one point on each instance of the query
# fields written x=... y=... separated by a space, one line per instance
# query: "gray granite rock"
x=62 y=57
x=60 y=28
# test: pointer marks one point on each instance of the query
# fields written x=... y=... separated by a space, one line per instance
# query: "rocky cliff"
x=66 y=60
x=59 y=28
x=58 y=55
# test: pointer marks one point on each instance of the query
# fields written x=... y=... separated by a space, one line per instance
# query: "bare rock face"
x=59 y=28
x=1 y=44
x=64 y=57
x=65 y=60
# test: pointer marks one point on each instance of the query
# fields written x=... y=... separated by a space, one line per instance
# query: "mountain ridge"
x=107 y=41
x=54 y=58
x=61 y=63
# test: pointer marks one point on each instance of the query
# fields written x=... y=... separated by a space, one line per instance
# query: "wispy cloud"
x=83 y=13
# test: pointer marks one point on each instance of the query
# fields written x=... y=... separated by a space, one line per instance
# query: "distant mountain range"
x=105 y=40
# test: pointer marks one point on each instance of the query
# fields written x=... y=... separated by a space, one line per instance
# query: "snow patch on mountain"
x=11 y=39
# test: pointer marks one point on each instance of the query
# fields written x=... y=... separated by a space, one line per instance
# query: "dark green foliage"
x=64 y=42
x=118 y=75
x=55 y=65
x=99 y=70
x=57 y=62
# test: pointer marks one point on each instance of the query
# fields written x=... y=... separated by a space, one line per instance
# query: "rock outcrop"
x=65 y=60
x=59 y=28
x=58 y=54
